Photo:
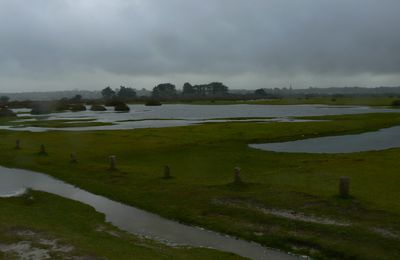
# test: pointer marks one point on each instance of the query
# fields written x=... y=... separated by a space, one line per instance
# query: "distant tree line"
x=211 y=90
x=123 y=93
x=169 y=91
x=188 y=93
x=334 y=92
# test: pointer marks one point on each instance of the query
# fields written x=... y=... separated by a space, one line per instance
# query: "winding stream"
x=133 y=220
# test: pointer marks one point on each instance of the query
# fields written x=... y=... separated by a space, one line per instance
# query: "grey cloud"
x=137 y=39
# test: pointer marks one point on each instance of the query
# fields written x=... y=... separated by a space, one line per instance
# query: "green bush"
x=98 y=108
x=121 y=107
x=396 y=103
x=153 y=102
x=41 y=108
x=78 y=107
x=5 y=112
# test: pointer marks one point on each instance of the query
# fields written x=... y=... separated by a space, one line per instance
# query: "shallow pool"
x=378 y=140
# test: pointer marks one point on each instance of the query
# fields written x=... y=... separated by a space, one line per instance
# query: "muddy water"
x=371 y=141
x=134 y=220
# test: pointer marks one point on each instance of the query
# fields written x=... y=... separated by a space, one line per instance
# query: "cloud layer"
x=61 y=44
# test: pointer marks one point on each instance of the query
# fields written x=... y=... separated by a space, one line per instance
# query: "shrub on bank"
x=153 y=103
x=78 y=107
x=396 y=103
x=41 y=108
x=5 y=112
x=98 y=108
x=122 y=107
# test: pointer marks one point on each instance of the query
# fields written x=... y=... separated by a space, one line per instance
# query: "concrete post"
x=344 y=187
x=42 y=149
x=73 y=158
x=113 y=162
x=167 y=172
x=18 y=144
x=237 y=179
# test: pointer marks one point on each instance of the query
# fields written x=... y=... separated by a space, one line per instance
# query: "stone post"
x=344 y=187
x=113 y=162
x=167 y=172
x=18 y=144
x=73 y=158
x=237 y=179
x=42 y=149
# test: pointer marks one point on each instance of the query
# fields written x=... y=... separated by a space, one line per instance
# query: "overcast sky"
x=89 y=44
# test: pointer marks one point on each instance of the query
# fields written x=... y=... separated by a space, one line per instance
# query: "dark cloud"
x=66 y=43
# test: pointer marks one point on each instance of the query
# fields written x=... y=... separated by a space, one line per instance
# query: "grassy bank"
x=64 y=228
x=337 y=101
x=334 y=101
x=288 y=201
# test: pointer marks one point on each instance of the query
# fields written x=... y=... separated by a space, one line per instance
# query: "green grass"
x=340 y=101
x=71 y=223
x=202 y=158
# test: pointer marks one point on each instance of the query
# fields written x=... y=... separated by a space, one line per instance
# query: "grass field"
x=288 y=201
x=340 y=101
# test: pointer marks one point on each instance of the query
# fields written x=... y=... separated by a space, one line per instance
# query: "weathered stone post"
x=237 y=179
x=73 y=158
x=167 y=172
x=344 y=187
x=18 y=144
x=42 y=149
x=113 y=162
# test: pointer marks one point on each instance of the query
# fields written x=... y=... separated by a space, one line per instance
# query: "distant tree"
x=260 y=92
x=213 y=89
x=201 y=90
x=4 y=99
x=126 y=93
x=218 y=89
x=164 y=90
x=76 y=99
x=188 y=89
x=108 y=93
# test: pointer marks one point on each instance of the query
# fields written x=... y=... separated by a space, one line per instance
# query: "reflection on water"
x=166 y=115
x=370 y=141
x=134 y=220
